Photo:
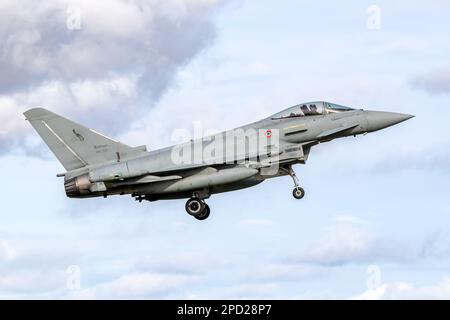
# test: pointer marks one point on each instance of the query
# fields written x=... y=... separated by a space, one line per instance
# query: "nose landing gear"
x=197 y=208
x=298 y=191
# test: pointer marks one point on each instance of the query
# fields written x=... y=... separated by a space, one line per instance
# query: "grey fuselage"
x=155 y=175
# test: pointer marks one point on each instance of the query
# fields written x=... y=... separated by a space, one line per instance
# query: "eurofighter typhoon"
x=98 y=166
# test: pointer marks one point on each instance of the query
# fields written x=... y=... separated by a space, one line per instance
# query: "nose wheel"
x=197 y=208
x=298 y=193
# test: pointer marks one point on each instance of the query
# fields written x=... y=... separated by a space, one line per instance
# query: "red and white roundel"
x=269 y=133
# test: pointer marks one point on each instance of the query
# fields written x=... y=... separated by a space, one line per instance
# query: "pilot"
x=313 y=109
x=305 y=110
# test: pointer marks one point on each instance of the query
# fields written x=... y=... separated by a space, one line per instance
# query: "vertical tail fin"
x=76 y=146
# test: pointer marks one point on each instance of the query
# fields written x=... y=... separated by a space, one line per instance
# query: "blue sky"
x=379 y=200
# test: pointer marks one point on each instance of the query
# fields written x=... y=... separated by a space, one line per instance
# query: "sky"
x=375 y=221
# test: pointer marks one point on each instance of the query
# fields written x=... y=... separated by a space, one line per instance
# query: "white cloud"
x=134 y=36
x=7 y=252
x=137 y=286
x=246 y=291
x=345 y=243
x=345 y=218
x=113 y=69
x=340 y=244
x=11 y=121
x=30 y=282
x=273 y=273
x=434 y=81
x=255 y=222
x=405 y=290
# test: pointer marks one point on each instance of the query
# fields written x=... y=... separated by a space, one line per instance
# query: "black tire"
x=298 y=193
x=194 y=206
x=205 y=213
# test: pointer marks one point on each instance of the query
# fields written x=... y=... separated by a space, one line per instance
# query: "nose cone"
x=377 y=120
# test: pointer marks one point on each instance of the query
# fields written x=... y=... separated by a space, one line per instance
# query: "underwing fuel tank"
x=204 y=179
x=209 y=177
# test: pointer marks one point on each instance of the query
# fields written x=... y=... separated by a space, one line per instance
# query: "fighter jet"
x=98 y=166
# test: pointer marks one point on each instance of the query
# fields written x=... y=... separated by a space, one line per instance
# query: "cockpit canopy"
x=310 y=109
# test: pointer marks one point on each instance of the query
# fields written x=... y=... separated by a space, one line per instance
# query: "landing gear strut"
x=298 y=191
x=197 y=208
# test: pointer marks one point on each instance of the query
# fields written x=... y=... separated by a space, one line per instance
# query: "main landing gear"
x=298 y=191
x=197 y=208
